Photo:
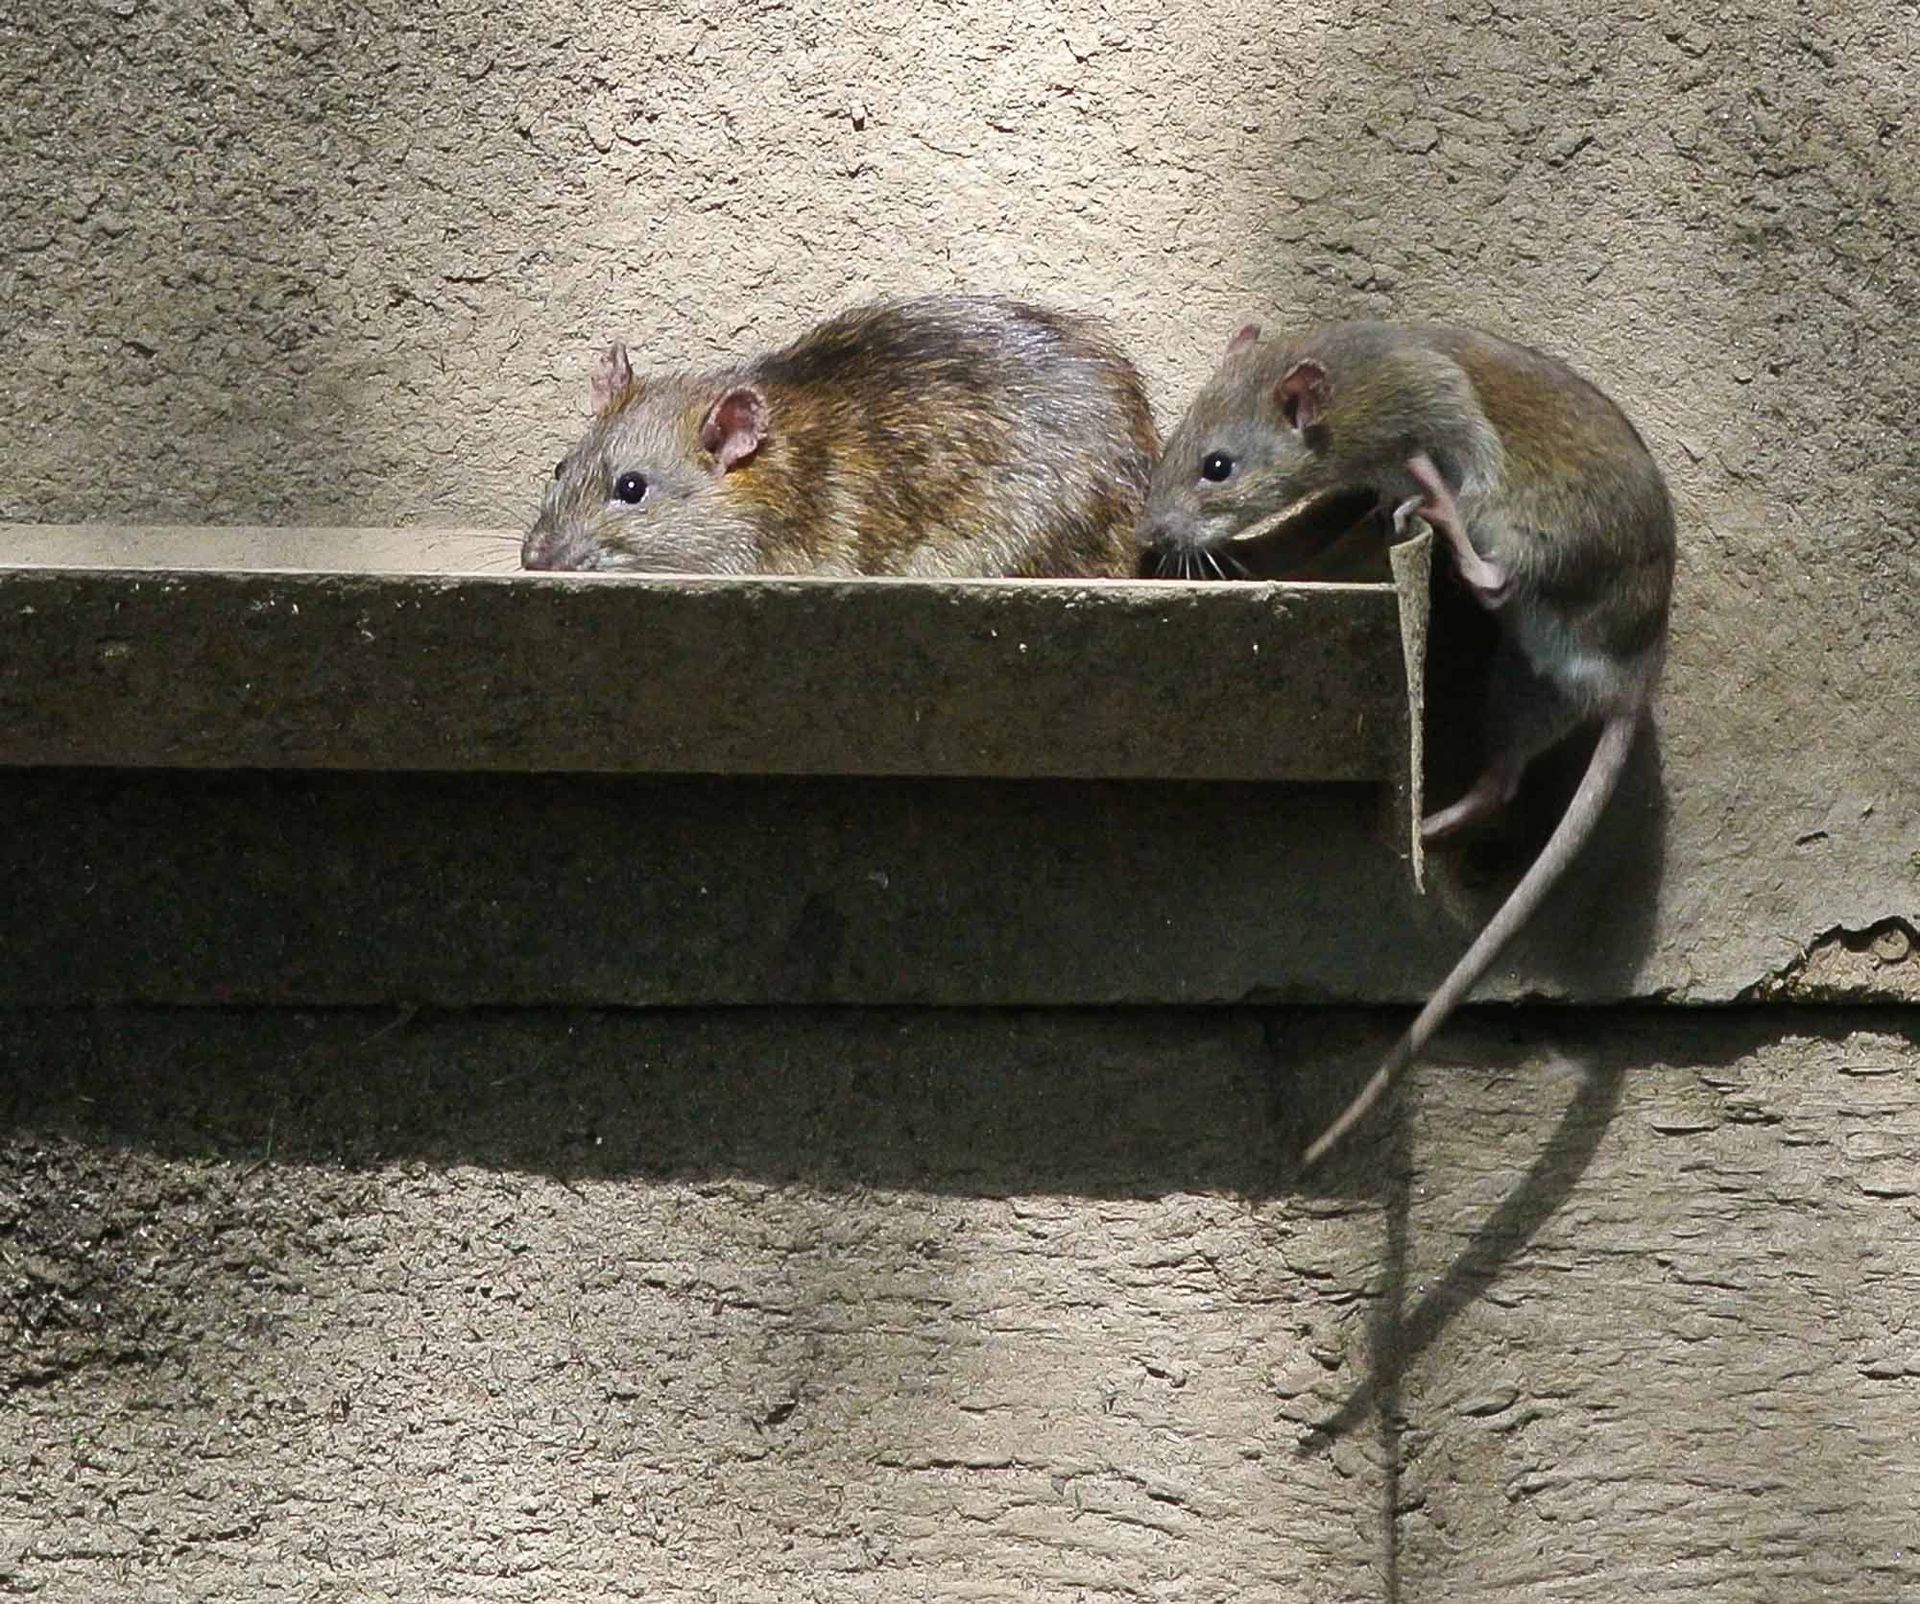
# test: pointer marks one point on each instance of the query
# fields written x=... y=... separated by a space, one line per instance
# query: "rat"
x=1552 y=508
x=947 y=435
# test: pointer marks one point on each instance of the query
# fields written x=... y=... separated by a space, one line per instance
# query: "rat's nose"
x=536 y=553
x=1159 y=550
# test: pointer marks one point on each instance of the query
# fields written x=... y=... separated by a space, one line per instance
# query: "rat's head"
x=645 y=490
x=1251 y=445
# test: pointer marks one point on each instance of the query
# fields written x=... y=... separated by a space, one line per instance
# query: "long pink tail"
x=1596 y=787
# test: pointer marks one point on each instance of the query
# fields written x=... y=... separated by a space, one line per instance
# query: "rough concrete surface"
x=389 y=889
x=1695 y=1373
x=256 y=548
x=763 y=1305
x=1020 y=679
x=768 y=1306
x=743 y=1306
x=325 y=263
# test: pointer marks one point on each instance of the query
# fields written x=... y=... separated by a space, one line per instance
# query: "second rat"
x=1553 y=510
x=952 y=436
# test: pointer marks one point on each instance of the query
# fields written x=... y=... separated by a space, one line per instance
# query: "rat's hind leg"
x=1528 y=714
x=1486 y=797
x=1487 y=580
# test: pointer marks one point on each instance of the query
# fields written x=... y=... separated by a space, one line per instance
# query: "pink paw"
x=1493 y=588
x=1443 y=826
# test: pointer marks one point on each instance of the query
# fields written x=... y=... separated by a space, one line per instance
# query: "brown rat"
x=1555 y=514
x=947 y=435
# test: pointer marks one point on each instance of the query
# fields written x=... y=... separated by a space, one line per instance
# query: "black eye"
x=630 y=487
x=1216 y=465
x=558 y=466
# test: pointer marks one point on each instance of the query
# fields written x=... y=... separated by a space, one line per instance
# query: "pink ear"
x=734 y=426
x=1302 y=395
x=1249 y=333
x=612 y=379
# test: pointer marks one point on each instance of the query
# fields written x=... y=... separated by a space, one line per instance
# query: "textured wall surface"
x=342 y=263
x=745 y=1306
x=761 y=1305
x=774 y=1307
x=1663 y=1314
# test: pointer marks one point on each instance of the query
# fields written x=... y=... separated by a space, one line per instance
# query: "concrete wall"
x=332 y=263
x=933 y=1305
x=793 y=1304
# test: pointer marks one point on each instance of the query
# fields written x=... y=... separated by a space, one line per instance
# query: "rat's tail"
x=1596 y=787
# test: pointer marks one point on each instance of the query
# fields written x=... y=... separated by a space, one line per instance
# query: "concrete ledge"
x=187 y=665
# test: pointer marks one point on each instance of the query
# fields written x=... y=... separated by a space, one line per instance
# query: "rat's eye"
x=630 y=487
x=558 y=466
x=1216 y=465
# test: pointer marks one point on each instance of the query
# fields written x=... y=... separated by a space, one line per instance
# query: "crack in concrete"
x=1879 y=962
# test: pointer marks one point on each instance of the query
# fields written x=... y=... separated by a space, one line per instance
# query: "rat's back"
x=954 y=435
x=1580 y=487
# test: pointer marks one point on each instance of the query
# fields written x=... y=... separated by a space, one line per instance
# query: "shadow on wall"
x=976 y=1102
x=1402 y=1333
x=1599 y=923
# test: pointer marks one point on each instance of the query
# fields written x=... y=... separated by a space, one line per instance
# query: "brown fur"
x=1562 y=524
x=950 y=435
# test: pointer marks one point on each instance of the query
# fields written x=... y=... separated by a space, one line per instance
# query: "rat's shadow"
x=1398 y=1336
x=1596 y=926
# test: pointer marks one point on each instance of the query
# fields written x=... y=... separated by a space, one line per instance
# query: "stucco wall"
x=347 y=263
x=837 y=1305
x=765 y=1305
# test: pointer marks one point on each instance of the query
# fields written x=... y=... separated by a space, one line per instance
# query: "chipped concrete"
x=1881 y=962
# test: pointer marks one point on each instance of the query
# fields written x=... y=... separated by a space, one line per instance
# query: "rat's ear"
x=612 y=379
x=1302 y=395
x=1248 y=335
x=735 y=425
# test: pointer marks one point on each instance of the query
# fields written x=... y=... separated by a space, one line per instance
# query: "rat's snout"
x=1160 y=528
x=1162 y=542
x=1163 y=555
x=543 y=549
